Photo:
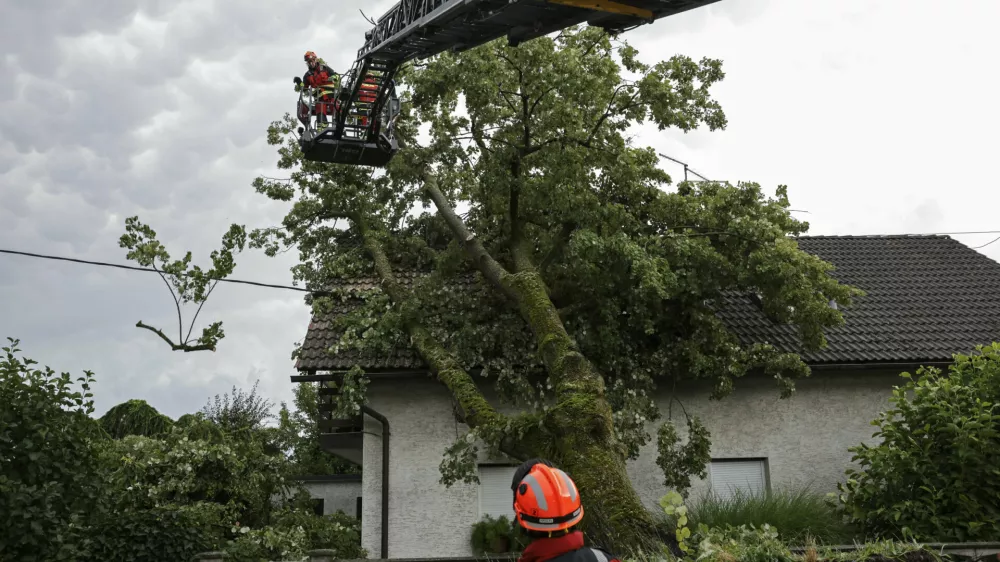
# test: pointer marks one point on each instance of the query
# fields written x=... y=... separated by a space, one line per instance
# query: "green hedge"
x=935 y=474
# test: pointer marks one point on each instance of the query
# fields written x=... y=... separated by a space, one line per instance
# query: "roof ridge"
x=874 y=236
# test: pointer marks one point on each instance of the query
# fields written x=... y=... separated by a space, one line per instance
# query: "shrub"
x=267 y=543
x=746 y=543
x=799 y=514
x=338 y=532
x=298 y=431
x=762 y=543
x=134 y=417
x=158 y=534
x=200 y=428
x=294 y=533
x=144 y=472
x=48 y=465
x=246 y=411
x=935 y=474
x=71 y=490
x=497 y=535
x=749 y=543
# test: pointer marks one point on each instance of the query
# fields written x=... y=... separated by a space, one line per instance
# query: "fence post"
x=210 y=557
x=322 y=555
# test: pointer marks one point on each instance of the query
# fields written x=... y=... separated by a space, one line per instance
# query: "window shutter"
x=495 y=497
x=745 y=475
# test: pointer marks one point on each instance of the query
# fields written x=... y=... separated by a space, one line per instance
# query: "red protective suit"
x=316 y=77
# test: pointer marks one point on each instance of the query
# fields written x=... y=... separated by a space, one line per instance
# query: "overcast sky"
x=880 y=115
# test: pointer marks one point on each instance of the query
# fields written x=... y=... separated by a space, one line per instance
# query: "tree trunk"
x=476 y=410
x=581 y=425
x=473 y=407
x=614 y=516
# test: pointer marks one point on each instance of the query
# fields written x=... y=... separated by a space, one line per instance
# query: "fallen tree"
x=592 y=283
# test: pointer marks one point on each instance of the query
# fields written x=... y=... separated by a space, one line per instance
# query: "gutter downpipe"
x=385 y=476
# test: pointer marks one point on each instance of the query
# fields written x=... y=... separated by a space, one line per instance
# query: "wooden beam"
x=606 y=6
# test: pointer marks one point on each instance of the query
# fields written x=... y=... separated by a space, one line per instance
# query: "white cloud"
x=879 y=116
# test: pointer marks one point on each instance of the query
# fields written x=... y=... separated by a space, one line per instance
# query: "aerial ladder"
x=366 y=104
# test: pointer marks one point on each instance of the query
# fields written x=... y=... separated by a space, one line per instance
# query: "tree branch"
x=595 y=129
x=177 y=301
x=607 y=113
x=555 y=252
x=197 y=312
x=520 y=73
x=592 y=45
x=503 y=94
x=477 y=135
x=483 y=146
x=474 y=409
x=538 y=100
x=525 y=116
x=572 y=373
x=538 y=147
x=175 y=346
x=489 y=267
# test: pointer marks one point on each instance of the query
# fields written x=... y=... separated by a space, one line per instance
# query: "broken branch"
x=175 y=346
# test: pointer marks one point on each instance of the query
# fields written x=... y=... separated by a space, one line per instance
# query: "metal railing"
x=352 y=110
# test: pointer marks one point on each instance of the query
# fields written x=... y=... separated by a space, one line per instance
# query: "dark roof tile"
x=927 y=297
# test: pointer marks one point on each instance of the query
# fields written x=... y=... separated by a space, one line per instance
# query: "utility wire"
x=688 y=169
x=149 y=269
x=986 y=244
x=304 y=290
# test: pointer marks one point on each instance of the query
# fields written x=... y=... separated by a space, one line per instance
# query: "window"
x=317 y=505
x=746 y=475
x=358 y=507
x=495 y=497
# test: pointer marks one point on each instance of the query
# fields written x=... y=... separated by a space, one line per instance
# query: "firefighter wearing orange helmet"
x=320 y=76
x=547 y=505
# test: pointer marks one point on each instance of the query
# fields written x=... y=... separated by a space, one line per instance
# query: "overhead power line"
x=997 y=239
x=304 y=290
x=148 y=269
x=986 y=244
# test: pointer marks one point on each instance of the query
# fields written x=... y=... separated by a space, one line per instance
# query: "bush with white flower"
x=72 y=490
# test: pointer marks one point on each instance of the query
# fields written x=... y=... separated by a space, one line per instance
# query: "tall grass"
x=797 y=514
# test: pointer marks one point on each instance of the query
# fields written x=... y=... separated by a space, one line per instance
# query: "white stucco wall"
x=425 y=518
x=337 y=494
x=804 y=438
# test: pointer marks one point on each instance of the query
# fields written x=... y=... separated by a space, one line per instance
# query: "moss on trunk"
x=614 y=516
x=585 y=446
x=579 y=431
x=571 y=372
x=517 y=436
x=475 y=409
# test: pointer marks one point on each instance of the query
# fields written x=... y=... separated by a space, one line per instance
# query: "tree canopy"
x=577 y=271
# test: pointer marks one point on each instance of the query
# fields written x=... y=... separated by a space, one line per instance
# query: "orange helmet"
x=309 y=56
x=546 y=499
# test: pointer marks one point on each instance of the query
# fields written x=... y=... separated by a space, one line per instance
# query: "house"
x=331 y=493
x=928 y=297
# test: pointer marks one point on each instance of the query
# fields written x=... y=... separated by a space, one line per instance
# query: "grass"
x=797 y=514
